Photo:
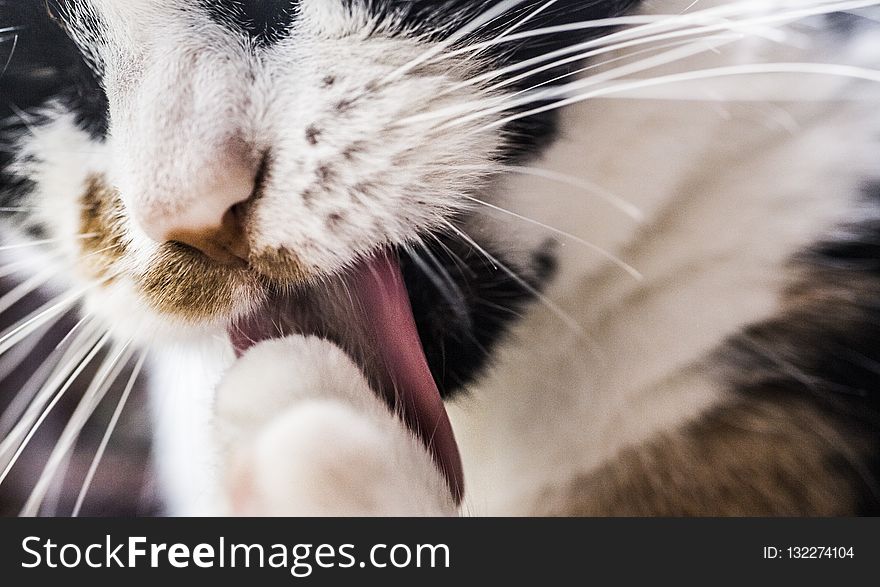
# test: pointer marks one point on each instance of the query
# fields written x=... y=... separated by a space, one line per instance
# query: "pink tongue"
x=389 y=319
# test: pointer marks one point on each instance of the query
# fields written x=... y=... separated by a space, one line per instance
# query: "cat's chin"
x=367 y=312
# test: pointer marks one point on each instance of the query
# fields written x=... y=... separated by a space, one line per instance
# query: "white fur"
x=320 y=443
x=226 y=107
x=183 y=382
x=728 y=192
x=179 y=163
x=727 y=197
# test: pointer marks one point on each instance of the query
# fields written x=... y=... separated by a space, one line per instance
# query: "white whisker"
x=11 y=361
x=476 y=110
x=751 y=26
x=18 y=266
x=566 y=318
x=110 y=370
x=593 y=247
x=105 y=440
x=604 y=63
x=517 y=25
x=27 y=403
x=484 y=18
x=48 y=241
x=11 y=54
x=613 y=22
x=60 y=371
x=580 y=183
x=17 y=293
x=824 y=69
x=746 y=27
x=658 y=60
x=442 y=281
x=46 y=312
x=68 y=382
x=527 y=19
x=630 y=38
x=28 y=325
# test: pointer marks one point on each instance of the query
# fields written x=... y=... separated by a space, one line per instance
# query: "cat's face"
x=198 y=158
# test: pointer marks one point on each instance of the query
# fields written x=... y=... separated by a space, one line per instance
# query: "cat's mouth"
x=368 y=313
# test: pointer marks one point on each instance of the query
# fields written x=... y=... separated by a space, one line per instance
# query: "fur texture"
x=706 y=347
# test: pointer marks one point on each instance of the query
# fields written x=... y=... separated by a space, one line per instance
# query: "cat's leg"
x=752 y=457
x=302 y=433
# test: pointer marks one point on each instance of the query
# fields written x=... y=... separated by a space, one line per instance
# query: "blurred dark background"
x=123 y=484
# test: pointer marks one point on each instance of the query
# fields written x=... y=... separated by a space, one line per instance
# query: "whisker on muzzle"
x=111 y=368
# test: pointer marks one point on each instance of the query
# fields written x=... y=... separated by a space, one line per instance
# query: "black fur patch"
x=46 y=64
x=43 y=65
x=445 y=17
x=463 y=304
x=265 y=21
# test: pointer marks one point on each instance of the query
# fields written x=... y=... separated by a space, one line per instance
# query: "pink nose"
x=209 y=218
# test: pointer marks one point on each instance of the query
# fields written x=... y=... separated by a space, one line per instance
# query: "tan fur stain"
x=279 y=266
x=184 y=283
x=755 y=458
x=103 y=215
x=179 y=282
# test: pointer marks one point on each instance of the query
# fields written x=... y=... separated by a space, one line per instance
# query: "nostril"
x=237 y=242
x=226 y=243
x=206 y=211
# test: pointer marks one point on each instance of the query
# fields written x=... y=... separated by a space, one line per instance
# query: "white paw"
x=302 y=433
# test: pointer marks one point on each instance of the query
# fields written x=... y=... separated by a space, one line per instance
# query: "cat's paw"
x=302 y=433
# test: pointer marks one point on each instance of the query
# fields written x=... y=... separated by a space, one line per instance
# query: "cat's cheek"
x=301 y=433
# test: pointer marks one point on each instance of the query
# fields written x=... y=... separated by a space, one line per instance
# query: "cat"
x=449 y=257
